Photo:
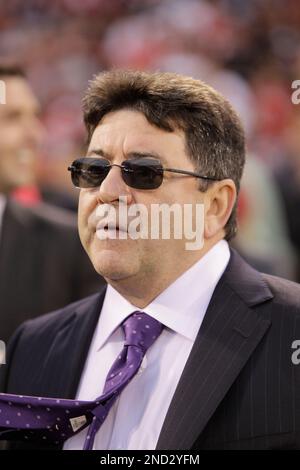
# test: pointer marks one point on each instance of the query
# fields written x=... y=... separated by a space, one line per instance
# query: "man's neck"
x=142 y=290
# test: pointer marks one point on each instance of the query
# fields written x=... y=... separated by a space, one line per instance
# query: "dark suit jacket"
x=42 y=264
x=239 y=388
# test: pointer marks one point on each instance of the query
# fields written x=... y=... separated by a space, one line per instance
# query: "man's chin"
x=112 y=266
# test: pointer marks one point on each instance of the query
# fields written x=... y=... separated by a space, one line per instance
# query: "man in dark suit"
x=224 y=373
x=42 y=262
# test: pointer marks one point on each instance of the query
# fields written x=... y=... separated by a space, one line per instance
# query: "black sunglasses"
x=138 y=173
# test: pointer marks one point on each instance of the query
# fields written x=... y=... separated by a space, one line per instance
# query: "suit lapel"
x=67 y=356
x=229 y=334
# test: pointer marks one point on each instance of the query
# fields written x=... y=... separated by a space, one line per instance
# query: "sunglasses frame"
x=160 y=170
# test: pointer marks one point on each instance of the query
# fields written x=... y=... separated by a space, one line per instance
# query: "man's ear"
x=219 y=202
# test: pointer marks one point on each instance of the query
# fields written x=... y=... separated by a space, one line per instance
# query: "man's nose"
x=113 y=186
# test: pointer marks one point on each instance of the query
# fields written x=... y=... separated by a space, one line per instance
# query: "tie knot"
x=141 y=330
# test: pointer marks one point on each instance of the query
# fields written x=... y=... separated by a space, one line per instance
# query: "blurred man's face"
x=20 y=135
x=120 y=135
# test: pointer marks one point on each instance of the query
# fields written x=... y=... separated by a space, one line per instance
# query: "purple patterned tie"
x=52 y=420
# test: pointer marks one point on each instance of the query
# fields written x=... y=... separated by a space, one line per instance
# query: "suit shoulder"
x=286 y=293
x=56 y=320
x=54 y=216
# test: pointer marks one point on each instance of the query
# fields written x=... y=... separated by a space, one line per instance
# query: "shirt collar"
x=187 y=297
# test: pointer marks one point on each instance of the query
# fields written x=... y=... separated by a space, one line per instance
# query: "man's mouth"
x=107 y=227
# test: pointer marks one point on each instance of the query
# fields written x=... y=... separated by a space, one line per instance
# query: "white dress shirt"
x=136 y=418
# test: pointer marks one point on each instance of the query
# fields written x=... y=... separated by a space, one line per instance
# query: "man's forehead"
x=108 y=137
x=132 y=131
x=127 y=122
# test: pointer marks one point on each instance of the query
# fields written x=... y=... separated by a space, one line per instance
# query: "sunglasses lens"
x=89 y=172
x=139 y=173
x=142 y=173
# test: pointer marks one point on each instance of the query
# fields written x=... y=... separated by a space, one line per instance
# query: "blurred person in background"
x=42 y=263
x=21 y=132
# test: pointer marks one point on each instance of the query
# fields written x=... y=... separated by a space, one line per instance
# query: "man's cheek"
x=83 y=228
x=82 y=213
